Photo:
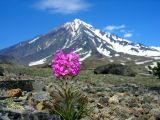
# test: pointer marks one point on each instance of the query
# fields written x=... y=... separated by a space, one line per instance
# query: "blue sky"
x=135 y=20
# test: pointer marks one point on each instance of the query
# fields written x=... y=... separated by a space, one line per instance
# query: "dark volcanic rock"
x=156 y=89
x=158 y=117
x=1 y=71
x=6 y=114
x=132 y=88
x=117 y=69
x=25 y=85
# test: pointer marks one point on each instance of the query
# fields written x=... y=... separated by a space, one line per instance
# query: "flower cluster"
x=65 y=64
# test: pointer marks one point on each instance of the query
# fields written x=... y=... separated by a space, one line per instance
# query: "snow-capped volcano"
x=84 y=38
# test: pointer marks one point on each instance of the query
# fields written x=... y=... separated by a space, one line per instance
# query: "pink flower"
x=66 y=64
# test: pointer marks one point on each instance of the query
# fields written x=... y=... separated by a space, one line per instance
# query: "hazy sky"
x=135 y=20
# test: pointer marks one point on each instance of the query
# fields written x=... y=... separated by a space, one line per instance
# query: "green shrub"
x=68 y=101
x=155 y=70
x=9 y=103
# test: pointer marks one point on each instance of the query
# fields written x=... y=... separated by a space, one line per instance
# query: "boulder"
x=37 y=98
x=14 y=92
x=41 y=96
x=117 y=69
x=113 y=100
x=40 y=106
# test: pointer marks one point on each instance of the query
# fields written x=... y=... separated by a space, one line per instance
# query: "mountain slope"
x=84 y=38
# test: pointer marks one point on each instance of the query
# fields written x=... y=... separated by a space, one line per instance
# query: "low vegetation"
x=89 y=76
x=9 y=102
x=23 y=70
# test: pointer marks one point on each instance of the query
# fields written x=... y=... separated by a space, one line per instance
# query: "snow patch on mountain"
x=88 y=54
x=103 y=51
x=128 y=58
x=122 y=63
x=143 y=62
x=77 y=50
x=116 y=55
x=66 y=43
x=111 y=60
x=32 y=41
x=38 y=48
x=89 y=33
x=76 y=24
x=158 y=48
x=156 y=57
x=84 y=43
x=39 y=62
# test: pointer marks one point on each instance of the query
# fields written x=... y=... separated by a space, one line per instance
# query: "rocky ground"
x=22 y=96
x=109 y=102
x=124 y=102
